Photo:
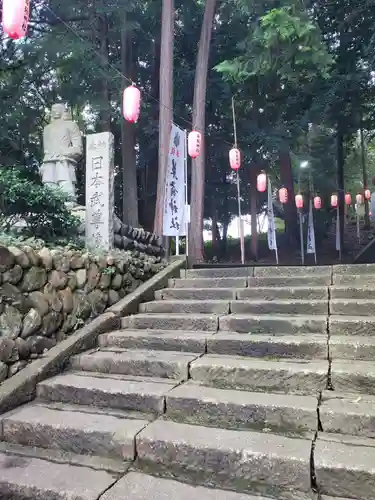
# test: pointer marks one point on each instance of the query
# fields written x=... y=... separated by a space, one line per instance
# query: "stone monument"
x=100 y=190
x=62 y=142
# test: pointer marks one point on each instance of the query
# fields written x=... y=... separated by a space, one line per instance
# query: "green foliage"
x=43 y=210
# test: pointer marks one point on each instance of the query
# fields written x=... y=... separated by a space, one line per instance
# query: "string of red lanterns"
x=16 y=14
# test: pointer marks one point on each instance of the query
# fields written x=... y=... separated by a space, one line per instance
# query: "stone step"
x=353 y=269
x=352 y=292
x=353 y=376
x=196 y=404
x=104 y=392
x=351 y=307
x=196 y=294
x=273 y=324
x=141 y=363
x=72 y=431
x=208 y=283
x=289 y=376
x=191 y=322
x=186 y=307
x=290 y=307
x=351 y=325
x=217 y=272
x=352 y=347
x=35 y=479
x=286 y=271
x=241 y=459
x=138 y=486
x=163 y=340
x=345 y=467
x=357 y=280
x=348 y=413
x=289 y=281
x=283 y=293
x=269 y=346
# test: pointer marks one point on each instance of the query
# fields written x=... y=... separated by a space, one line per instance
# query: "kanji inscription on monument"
x=99 y=190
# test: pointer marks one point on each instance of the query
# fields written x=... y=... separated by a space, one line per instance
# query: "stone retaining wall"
x=45 y=295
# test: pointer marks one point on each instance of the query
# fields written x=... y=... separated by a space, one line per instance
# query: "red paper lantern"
x=16 y=15
x=348 y=199
x=334 y=200
x=283 y=195
x=131 y=104
x=359 y=199
x=317 y=202
x=367 y=194
x=194 y=143
x=234 y=159
x=299 y=200
x=262 y=182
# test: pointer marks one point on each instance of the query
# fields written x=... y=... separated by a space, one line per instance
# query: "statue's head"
x=67 y=114
x=57 y=111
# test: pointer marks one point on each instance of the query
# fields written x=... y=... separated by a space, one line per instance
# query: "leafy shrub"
x=42 y=209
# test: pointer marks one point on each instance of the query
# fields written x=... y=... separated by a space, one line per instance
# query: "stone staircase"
x=251 y=383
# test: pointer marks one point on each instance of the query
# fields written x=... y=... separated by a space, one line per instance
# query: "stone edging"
x=20 y=388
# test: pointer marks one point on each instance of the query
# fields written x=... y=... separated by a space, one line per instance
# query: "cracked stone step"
x=345 y=469
x=273 y=324
x=251 y=460
x=224 y=272
x=163 y=340
x=293 y=307
x=186 y=307
x=163 y=364
x=351 y=307
x=191 y=322
x=104 y=392
x=72 y=431
x=304 y=271
x=352 y=347
x=196 y=404
x=138 y=486
x=353 y=376
x=269 y=346
x=351 y=325
x=208 y=283
x=348 y=414
x=298 y=376
x=196 y=294
x=32 y=478
x=352 y=292
x=289 y=281
x=283 y=293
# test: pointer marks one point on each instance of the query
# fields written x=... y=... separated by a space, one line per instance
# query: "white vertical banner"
x=174 y=215
x=310 y=247
x=338 y=239
x=271 y=234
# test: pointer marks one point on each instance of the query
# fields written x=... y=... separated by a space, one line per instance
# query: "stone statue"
x=62 y=142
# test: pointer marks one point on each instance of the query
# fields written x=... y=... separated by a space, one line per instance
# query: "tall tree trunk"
x=290 y=210
x=199 y=107
x=129 y=166
x=166 y=106
x=341 y=181
x=254 y=210
x=151 y=171
x=364 y=175
x=105 y=113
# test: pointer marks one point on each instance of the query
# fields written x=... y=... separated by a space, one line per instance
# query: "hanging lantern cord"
x=240 y=226
x=234 y=124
